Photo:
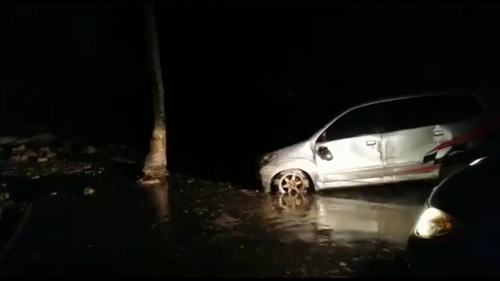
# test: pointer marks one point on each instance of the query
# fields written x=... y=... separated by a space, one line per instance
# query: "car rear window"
x=465 y=106
x=453 y=107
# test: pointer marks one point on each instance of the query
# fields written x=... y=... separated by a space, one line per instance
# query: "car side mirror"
x=325 y=154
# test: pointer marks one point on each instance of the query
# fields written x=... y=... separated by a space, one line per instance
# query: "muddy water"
x=324 y=219
x=204 y=229
x=255 y=235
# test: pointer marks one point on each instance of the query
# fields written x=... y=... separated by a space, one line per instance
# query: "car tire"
x=299 y=174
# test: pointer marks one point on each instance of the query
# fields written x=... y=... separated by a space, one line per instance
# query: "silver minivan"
x=390 y=140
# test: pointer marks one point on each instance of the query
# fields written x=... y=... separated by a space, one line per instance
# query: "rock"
x=35 y=177
x=24 y=158
x=42 y=159
x=51 y=155
x=13 y=141
x=64 y=151
x=7 y=140
x=19 y=149
x=43 y=139
x=90 y=150
x=21 y=141
x=39 y=129
x=4 y=195
x=30 y=154
x=88 y=191
x=43 y=151
x=15 y=158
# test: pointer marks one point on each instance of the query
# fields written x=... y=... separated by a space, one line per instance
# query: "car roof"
x=419 y=95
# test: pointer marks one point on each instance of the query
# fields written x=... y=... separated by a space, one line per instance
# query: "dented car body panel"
x=384 y=141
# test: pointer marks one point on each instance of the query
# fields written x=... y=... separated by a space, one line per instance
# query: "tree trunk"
x=155 y=166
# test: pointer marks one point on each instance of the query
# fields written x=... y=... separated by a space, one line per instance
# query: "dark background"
x=240 y=79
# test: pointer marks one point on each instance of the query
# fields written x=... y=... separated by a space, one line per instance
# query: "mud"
x=198 y=228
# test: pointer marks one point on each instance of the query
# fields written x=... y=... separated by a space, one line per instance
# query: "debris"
x=88 y=191
x=4 y=195
x=44 y=151
x=150 y=182
x=15 y=158
x=30 y=154
x=90 y=150
x=19 y=149
x=42 y=159
x=9 y=140
x=43 y=139
x=226 y=220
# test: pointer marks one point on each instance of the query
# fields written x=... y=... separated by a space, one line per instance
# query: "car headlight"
x=268 y=158
x=434 y=222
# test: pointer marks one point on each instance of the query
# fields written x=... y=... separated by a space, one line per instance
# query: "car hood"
x=301 y=149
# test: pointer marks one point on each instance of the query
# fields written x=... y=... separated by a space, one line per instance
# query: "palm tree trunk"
x=155 y=166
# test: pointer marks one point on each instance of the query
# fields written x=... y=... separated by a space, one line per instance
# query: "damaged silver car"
x=417 y=137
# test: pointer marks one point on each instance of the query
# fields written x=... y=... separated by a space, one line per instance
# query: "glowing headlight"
x=434 y=222
x=268 y=158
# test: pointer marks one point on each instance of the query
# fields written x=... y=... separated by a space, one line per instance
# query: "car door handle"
x=438 y=133
x=371 y=142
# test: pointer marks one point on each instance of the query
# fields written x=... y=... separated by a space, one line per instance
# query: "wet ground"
x=199 y=228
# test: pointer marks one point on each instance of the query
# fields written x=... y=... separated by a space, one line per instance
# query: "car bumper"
x=266 y=174
x=448 y=257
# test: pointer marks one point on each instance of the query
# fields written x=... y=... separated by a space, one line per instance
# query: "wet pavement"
x=199 y=228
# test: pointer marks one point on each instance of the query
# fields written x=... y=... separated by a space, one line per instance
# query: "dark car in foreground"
x=458 y=231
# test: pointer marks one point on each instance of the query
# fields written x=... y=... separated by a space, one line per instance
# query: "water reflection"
x=317 y=219
x=160 y=199
x=314 y=218
x=218 y=230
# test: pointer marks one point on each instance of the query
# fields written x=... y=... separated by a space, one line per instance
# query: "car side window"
x=457 y=108
x=357 y=122
x=431 y=110
x=409 y=113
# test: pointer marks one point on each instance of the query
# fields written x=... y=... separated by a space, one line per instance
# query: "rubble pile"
x=43 y=155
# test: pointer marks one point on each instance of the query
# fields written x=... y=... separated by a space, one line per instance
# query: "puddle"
x=208 y=229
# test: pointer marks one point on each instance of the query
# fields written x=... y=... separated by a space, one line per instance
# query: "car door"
x=415 y=126
x=354 y=141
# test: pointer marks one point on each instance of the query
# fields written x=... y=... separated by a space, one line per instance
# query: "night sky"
x=234 y=72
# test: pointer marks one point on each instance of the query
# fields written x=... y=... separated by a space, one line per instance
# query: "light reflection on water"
x=341 y=218
x=322 y=219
